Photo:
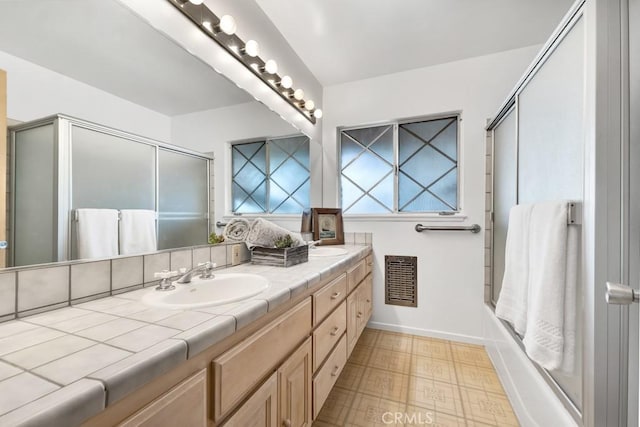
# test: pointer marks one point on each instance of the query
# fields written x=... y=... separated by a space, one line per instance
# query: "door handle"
x=621 y=294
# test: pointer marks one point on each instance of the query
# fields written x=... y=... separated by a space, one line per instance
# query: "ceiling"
x=343 y=41
x=103 y=44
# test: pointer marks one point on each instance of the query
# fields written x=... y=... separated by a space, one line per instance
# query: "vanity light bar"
x=223 y=31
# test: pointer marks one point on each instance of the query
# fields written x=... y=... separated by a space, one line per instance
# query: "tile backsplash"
x=35 y=289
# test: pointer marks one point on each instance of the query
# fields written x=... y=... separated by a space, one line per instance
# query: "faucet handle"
x=164 y=274
x=207 y=264
x=182 y=270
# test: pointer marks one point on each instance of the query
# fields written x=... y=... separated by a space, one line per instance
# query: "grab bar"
x=221 y=224
x=475 y=228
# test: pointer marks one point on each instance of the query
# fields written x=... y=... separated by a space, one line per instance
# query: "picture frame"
x=328 y=226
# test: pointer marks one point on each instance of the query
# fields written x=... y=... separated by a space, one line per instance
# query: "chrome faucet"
x=205 y=269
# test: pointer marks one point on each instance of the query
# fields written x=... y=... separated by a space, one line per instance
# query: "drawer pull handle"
x=335 y=295
x=335 y=371
x=359 y=314
x=335 y=331
x=286 y=423
x=368 y=300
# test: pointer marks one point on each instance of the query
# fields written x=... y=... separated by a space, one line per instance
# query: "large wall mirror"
x=98 y=61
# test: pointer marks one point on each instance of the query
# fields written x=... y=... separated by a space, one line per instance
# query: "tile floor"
x=426 y=381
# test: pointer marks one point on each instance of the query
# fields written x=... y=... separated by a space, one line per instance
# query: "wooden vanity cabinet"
x=294 y=388
x=185 y=404
x=260 y=410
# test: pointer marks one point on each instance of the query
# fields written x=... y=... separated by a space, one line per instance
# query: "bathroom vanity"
x=268 y=361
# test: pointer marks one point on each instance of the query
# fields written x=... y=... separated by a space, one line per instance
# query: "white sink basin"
x=223 y=288
x=323 y=251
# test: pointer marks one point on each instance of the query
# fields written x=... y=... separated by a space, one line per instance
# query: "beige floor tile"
x=475 y=377
x=436 y=396
x=385 y=384
x=370 y=411
x=471 y=355
x=350 y=376
x=336 y=407
x=490 y=408
x=369 y=337
x=360 y=354
x=417 y=416
x=429 y=347
x=435 y=369
x=318 y=423
x=390 y=360
x=394 y=341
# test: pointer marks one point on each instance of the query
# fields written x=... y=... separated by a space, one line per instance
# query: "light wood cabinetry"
x=260 y=410
x=356 y=274
x=328 y=333
x=328 y=298
x=240 y=369
x=185 y=404
x=294 y=388
x=327 y=376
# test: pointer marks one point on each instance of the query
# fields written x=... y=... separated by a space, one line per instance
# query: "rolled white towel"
x=236 y=230
x=264 y=233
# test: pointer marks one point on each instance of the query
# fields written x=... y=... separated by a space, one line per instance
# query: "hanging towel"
x=97 y=235
x=137 y=231
x=264 y=233
x=551 y=299
x=236 y=230
x=512 y=303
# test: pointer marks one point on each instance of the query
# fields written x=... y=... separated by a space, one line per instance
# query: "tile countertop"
x=64 y=366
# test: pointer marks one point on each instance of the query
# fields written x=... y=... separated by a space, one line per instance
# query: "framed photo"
x=328 y=226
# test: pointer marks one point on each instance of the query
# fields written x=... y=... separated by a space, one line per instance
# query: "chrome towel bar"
x=475 y=228
x=221 y=224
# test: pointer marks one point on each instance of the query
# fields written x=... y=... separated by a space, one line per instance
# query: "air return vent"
x=401 y=280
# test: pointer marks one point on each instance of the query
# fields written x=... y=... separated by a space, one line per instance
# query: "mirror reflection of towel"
x=264 y=233
x=236 y=230
x=137 y=231
x=97 y=235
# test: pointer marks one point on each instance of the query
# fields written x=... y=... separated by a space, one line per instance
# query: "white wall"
x=450 y=265
x=34 y=92
x=210 y=131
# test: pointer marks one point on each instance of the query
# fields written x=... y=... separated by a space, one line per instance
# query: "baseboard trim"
x=426 y=333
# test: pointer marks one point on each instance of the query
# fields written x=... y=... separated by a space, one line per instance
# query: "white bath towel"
x=264 y=233
x=512 y=303
x=97 y=235
x=236 y=230
x=551 y=299
x=137 y=231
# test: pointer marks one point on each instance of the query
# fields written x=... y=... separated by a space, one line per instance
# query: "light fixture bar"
x=210 y=25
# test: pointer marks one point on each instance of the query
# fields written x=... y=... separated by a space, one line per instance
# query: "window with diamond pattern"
x=400 y=167
x=271 y=176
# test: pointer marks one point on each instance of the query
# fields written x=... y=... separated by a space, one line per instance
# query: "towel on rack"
x=97 y=233
x=137 y=231
x=512 y=303
x=264 y=233
x=236 y=230
x=553 y=256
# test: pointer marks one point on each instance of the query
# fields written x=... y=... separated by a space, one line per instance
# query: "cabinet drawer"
x=328 y=298
x=356 y=274
x=328 y=375
x=328 y=334
x=238 y=370
x=369 y=264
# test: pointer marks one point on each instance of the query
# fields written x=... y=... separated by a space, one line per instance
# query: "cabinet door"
x=365 y=306
x=261 y=410
x=185 y=405
x=352 y=320
x=294 y=386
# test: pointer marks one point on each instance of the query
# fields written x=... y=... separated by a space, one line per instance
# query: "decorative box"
x=285 y=257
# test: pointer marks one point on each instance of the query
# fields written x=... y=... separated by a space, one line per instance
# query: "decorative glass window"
x=271 y=176
x=400 y=167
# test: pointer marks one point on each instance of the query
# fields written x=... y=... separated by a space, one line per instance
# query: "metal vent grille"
x=401 y=280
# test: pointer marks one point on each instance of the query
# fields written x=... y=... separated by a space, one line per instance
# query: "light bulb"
x=228 y=25
x=298 y=94
x=252 y=48
x=318 y=113
x=286 y=82
x=196 y=2
x=271 y=66
x=309 y=105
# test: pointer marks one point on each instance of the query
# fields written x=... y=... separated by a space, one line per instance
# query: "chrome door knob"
x=621 y=294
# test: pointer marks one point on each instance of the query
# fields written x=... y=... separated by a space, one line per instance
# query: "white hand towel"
x=544 y=338
x=97 y=235
x=137 y=231
x=236 y=230
x=264 y=233
x=571 y=300
x=512 y=303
